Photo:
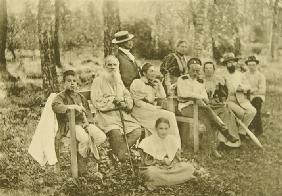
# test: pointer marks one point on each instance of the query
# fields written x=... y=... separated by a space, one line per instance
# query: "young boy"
x=68 y=99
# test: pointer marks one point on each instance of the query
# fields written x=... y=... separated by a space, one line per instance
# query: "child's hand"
x=85 y=126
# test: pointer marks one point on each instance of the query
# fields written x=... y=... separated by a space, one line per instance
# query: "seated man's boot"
x=113 y=157
x=82 y=164
x=216 y=154
x=224 y=131
x=94 y=169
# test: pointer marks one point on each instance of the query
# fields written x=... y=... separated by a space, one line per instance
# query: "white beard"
x=112 y=77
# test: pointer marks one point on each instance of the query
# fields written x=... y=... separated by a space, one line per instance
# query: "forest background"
x=40 y=38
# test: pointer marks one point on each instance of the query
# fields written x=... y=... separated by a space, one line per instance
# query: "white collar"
x=128 y=53
x=159 y=148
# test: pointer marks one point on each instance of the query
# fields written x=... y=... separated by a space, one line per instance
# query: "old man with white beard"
x=108 y=92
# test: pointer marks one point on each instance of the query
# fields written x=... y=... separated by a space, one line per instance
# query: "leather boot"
x=224 y=131
x=82 y=164
x=216 y=154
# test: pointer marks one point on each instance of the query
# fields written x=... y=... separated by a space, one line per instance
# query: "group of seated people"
x=127 y=101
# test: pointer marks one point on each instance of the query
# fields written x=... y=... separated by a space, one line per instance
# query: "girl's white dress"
x=154 y=150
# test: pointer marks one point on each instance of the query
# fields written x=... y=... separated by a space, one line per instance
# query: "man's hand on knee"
x=85 y=126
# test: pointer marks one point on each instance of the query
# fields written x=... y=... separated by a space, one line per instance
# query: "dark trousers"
x=117 y=142
x=256 y=124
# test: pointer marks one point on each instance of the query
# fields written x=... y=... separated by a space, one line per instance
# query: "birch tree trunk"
x=56 y=33
x=46 y=33
x=211 y=29
x=199 y=21
x=4 y=75
x=111 y=24
x=274 y=34
x=3 y=34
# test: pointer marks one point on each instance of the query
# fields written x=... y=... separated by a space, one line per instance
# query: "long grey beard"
x=113 y=77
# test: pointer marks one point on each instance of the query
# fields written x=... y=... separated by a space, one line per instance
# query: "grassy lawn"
x=247 y=171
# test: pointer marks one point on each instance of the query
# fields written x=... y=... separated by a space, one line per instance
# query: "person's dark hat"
x=252 y=59
x=122 y=36
x=68 y=72
x=194 y=61
x=229 y=57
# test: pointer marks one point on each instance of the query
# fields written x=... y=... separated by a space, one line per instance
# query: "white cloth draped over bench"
x=42 y=146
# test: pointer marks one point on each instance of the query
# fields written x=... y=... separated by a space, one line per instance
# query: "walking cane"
x=251 y=135
x=125 y=137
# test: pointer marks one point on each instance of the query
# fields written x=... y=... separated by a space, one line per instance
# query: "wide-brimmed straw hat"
x=122 y=36
x=229 y=57
x=252 y=59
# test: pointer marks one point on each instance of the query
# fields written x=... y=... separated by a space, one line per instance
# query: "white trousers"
x=246 y=114
x=83 y=138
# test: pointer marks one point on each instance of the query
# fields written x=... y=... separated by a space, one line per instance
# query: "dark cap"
x=229 y=57
x=68 y=72
x=194 y=61
x=252 y=59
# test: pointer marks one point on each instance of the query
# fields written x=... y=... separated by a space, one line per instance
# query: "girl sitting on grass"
x=161 y=158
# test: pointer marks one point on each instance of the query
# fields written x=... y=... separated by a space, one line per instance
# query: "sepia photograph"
x=140 y=97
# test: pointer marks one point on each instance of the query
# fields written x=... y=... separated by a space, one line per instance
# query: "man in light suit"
x=257 y=91
x=128 y=67
x=238 y=88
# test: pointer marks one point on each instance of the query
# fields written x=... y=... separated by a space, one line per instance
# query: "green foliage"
x=256 y=50
x=143 y=39
x=22 y=29
x=224 y=19
x=19 y=171
x=144 y=43
x=223 y=46
x=81 y=27
x=164 y=48
x=259 y=34
x=238 y=173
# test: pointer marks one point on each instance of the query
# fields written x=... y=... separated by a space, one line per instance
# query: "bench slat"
x=73 y=147
x=196 y=127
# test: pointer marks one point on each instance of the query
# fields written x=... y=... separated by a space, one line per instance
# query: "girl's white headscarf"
x=158 y=148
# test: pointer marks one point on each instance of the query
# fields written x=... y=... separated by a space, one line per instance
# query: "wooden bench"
x=73 y=143
x=193 y=123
